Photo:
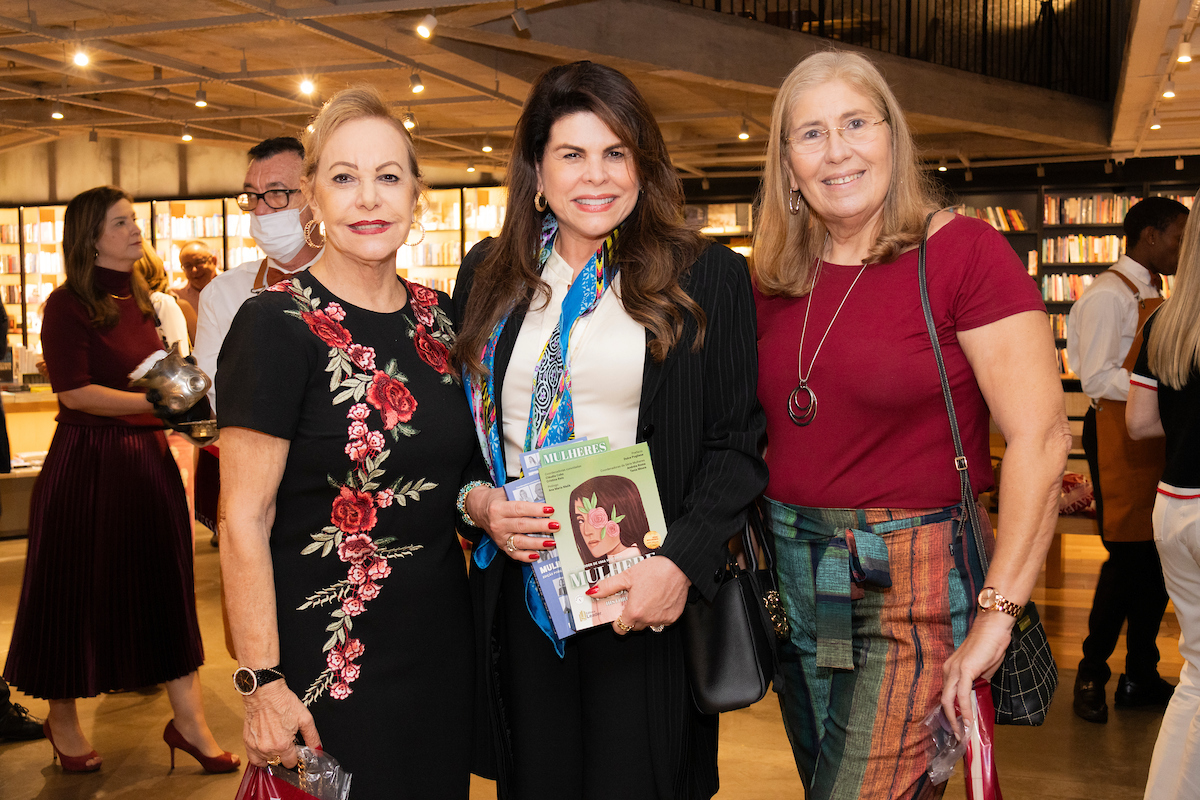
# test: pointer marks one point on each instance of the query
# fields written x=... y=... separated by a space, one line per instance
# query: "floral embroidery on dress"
x=378 y=399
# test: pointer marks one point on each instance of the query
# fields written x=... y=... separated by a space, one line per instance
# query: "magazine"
x=611 y=518
x=546 y=570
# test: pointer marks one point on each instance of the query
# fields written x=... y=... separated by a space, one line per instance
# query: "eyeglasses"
x=810 y=140
x=276 y=199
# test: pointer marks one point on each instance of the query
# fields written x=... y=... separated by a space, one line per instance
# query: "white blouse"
x=607 y=356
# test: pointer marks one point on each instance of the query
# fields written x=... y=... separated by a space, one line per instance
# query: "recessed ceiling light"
x=426 y=25
x=306 y=86
x=416 y=83
x=81 y=58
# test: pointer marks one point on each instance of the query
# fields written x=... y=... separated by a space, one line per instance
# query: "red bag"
x=259 y=784
x=979 y=762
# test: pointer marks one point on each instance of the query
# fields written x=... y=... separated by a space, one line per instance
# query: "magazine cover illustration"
x=611 y=518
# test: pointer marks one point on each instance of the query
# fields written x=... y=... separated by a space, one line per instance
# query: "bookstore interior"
x=1047 y=120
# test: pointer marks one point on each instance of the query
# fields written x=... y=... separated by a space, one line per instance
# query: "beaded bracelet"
x=462 y=500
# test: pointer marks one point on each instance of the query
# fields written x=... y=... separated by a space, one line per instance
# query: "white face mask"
x=280 y=235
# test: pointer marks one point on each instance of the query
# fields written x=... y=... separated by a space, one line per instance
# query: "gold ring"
x=657 y=628
x=621 y=624
x=508 y=545
x=274 y=761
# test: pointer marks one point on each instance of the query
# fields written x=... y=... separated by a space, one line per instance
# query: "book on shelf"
x=1009 y=220
x=1082 y=249
x=1096 y=209
x=1064 y=368
x=1058 y=325
x=547 y=571
x=611 y=519
x=1063 y=287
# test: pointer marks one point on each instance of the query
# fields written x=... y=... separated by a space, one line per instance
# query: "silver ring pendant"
x=802 y=415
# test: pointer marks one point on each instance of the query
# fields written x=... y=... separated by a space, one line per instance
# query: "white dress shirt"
x=607 y=358
x=219 y=304
x=1101 y=328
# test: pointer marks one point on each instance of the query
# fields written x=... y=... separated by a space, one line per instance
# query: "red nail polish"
x=547 y=509
x=534 y=556
x=554 y=525
x=592 y=590
x=549 y=543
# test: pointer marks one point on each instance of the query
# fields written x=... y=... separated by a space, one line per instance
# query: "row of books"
x=430 y=253
x=1097 y=209
x=1058 y=324
x=191 y=227
x=440 y=284
x=1080 y=249
x=1064 y=368
x=49 y=232
x=1000 y=218
x=1062 y=286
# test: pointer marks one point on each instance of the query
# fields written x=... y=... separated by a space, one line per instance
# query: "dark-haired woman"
x=107 y=601
x=597 y=301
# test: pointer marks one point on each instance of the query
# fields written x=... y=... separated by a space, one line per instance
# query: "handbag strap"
x=960 y=460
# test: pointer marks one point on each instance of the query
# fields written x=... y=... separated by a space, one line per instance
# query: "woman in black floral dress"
x=346 y=439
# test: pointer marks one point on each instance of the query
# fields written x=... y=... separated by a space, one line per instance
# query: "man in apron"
x=1103 y=338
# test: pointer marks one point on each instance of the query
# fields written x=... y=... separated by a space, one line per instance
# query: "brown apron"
x=1129 y=470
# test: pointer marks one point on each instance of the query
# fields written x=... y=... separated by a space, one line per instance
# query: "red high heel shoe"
x=226 y=762
x=71 y=763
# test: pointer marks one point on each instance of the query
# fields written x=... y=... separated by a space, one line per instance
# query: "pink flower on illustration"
x=358 y=450
x=375 y=441
x=597 y=518
x=356 y=549
x=340 y=691
x=368 y=591
x=352 y=606
x=354 y=511
x=363 y=357
x=357 y=575
x=379 y=569
x=383 y=498
x=353 y=648
x=335 y=659
x=359 y=411
x=350 y=673
x=327 y=330
x=392 y=398
x=335 y=312
x=358 y=429
x=612 y=529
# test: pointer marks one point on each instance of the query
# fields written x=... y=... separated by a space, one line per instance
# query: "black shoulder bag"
x=1024 y=684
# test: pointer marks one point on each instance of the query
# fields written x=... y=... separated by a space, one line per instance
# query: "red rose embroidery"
x=340 y=691
x=431 y=351
x=422 y=295
x=358 y=411
x=335 y=311
x=352 y=606
x=357 y=575
x=358 y=430
x=368 y=591
x=363 y=357
x=335 y=660
x=328 y=330
x=384 y=497
x=393 y=399
x=378 y=570
x=350 y=673
x=353 y=649
x=354 y=511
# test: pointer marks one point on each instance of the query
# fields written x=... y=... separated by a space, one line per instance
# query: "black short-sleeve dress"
x=370 y=580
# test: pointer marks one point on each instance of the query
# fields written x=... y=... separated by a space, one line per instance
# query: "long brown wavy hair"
x=655 y=248
x=83 y=224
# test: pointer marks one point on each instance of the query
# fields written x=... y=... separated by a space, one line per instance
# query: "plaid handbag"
x=1024 y=685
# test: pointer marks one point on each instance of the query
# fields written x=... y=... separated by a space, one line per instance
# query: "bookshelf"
x=1014 y=214
x=455 y=220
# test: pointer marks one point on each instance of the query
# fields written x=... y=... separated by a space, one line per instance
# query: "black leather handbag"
x=1024 y=685
x=729 y=644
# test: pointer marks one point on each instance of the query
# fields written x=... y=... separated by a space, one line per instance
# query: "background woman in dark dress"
x=345 y=440
x=666 y=355
x=107 y=601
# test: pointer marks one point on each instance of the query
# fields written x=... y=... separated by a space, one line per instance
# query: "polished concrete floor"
x=1066 y=759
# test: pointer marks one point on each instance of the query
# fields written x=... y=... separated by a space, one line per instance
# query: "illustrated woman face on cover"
x=608 y=515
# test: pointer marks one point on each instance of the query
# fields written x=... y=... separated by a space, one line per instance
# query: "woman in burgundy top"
x=107 y=601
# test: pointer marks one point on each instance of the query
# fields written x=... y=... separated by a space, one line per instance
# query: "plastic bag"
x=980 y=764
x=317 y=776
x=945 y=746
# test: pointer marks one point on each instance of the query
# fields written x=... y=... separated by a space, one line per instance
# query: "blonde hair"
x=786 y=245
x=152 y=269
x=1174 y=346
x=357 y=102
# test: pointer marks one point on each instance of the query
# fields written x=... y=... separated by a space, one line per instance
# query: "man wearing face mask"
x=271 y=193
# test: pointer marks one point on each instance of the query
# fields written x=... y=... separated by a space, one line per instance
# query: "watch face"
x=244 y=680
x=987 y=597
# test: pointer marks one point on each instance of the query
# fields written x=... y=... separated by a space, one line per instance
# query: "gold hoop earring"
x=417 y=222
x=794 y=202
x=539 y=202
x=308 y=229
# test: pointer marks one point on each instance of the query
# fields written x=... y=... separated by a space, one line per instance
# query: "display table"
x=30 y=420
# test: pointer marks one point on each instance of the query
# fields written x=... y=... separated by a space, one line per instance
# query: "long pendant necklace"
x=804 y=414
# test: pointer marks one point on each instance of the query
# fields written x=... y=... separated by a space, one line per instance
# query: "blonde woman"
x=169 y=311
x=1164 y=400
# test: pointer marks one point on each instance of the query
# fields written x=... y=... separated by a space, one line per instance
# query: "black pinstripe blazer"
x=700 y=415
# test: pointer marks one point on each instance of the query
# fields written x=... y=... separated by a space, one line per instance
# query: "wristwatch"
x=991 y=600
x=247 y=680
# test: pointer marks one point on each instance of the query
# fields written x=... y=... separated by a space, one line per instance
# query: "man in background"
x=1103 y=338
x=199 y=266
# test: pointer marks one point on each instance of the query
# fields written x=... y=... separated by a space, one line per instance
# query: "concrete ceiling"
x=704 y=73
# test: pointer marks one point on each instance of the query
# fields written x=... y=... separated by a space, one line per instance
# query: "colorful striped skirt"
x=876 y=605
x=108 y=597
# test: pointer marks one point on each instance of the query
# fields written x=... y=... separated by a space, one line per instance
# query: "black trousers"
x=1130 y=589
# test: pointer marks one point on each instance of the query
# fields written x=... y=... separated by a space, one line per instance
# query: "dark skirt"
x=108 y=599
